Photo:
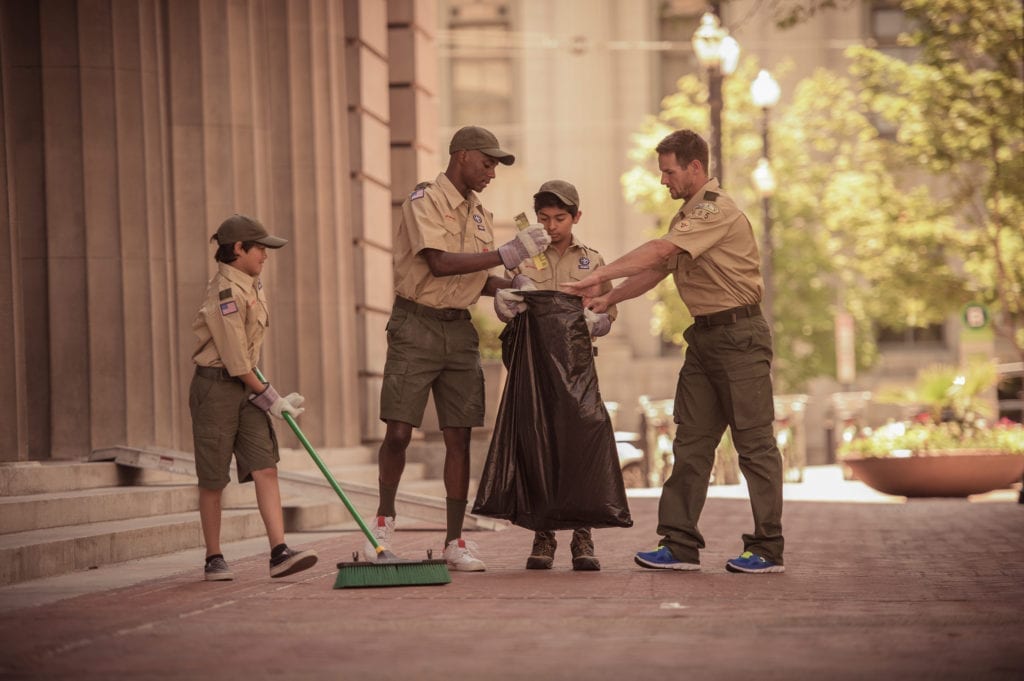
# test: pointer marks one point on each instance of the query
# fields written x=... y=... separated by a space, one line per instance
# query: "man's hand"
x=588 y=287
x=508 y=304
x=528 y=243
x=270 y=401
x=598 y=323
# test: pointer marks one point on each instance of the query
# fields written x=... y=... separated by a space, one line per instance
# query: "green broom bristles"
x=406 y=573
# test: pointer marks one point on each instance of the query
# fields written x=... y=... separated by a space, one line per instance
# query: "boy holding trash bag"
x=556 y=204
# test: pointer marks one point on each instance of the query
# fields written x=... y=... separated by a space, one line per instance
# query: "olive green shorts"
x=428 y=354
x=224 y=422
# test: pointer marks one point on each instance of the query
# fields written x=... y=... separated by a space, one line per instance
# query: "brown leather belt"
x=216 y=374
x=729 y=316
x=445 y=314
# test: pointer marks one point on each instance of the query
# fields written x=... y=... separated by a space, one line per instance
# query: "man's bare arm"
x=632 y=287
x=445 y=264
x=645 y=257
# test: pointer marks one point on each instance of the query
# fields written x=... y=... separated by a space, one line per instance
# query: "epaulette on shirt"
x=710 y=196
x=225 y=294
x=418 y=192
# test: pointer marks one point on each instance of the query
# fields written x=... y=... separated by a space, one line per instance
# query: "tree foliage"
x=901 y=227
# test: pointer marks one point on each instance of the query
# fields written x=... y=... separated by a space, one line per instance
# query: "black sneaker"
x=217 y=569
x=288 y=562
x=542 y=555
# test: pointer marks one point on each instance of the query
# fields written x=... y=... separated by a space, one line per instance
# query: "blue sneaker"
x=752 y=563
x=662 y=559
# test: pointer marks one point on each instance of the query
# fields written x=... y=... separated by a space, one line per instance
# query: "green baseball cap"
x=243 y=228
x=472 y=138
x=565 y=192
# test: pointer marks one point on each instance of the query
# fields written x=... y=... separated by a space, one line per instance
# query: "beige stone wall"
x=130 y=130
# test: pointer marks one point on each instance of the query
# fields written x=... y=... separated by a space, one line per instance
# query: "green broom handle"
x=323 y=469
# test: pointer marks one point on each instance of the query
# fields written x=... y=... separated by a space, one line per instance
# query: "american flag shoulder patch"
x=228 y=308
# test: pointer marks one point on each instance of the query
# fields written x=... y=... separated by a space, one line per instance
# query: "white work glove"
x=523 y=283
x=528 y=243
x=598 y=324
x=508 y=304
x=270 y=401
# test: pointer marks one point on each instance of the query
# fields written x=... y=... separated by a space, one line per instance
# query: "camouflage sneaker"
x=216 y=569
x=583 y=551
x=542 y=555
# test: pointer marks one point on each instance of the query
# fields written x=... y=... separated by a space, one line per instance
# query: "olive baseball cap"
x=565 y=192
x=243 y=228
x=472 y=138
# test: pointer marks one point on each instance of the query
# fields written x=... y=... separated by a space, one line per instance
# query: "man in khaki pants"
x=725 y=381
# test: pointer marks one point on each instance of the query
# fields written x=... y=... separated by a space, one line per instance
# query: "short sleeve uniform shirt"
x=720 y=267
x=232 y=321
x=578 y=261
x=437 y=216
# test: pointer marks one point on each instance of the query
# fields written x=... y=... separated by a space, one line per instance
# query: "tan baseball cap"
x=472 y=138
x=565 y=192
x=243 y=228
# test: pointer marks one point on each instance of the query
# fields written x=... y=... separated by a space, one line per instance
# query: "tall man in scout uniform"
x=443 y=247
x=229 y=404
x=712 y=254
x=557 y=206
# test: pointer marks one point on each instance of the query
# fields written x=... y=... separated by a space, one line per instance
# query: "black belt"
x=216 y=374
x=445 y=314
x=729 y=316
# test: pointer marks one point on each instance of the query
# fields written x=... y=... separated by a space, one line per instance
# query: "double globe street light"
x=719 y=54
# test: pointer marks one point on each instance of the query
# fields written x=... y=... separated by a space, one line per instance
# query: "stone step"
x=77 y=507
x=52 y=551
x=332 y=457
x=36 y=477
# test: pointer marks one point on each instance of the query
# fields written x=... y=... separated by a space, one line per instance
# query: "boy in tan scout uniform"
x=230 y=406
x=556 y=204
x=443 y=247
x=725 y=381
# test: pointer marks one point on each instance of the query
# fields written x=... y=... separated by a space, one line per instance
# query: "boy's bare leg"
x=209 y=518
x=268 y=498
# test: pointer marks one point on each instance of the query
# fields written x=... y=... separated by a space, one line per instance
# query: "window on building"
x=931 y=336
x=677 y=22
x=887 y=21
x=481 y=77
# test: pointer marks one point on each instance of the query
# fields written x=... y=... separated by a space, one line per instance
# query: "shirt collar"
x=236 y=276
x=455 y=199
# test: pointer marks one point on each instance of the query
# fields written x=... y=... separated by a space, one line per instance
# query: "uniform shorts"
x=224 y=422
x=427 y=354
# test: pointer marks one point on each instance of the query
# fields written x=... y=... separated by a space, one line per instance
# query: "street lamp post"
x=765 y=93
x=718 y=53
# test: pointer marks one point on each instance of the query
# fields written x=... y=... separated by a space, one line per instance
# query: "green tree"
x=958 y=112
x=866 y=221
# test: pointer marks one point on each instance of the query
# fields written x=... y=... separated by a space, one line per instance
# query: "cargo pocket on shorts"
x=751 y=392
x=393 y=383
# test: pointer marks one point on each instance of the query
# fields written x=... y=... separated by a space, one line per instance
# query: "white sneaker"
x=383 y=529
x=459 y=558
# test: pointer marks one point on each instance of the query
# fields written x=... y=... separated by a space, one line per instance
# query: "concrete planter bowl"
x=938 y=474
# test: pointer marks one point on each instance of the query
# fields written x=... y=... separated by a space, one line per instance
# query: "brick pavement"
x=930 y=589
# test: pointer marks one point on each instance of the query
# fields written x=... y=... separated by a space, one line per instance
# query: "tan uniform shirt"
x=437 y=216
x=230 y=325
x=719 y=267
x=575 y=264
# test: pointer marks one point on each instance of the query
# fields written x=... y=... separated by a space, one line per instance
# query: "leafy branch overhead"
x=900 y=185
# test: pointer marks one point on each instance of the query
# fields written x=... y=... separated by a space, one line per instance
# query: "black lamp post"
x=765 y=93
x=718 y=53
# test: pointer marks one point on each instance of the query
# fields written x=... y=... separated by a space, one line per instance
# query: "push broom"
x=389 y=570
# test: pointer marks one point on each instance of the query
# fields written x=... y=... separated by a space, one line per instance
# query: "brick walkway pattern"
x=929 y=589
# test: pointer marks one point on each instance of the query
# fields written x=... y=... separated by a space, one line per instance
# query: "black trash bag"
x=552 y=462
